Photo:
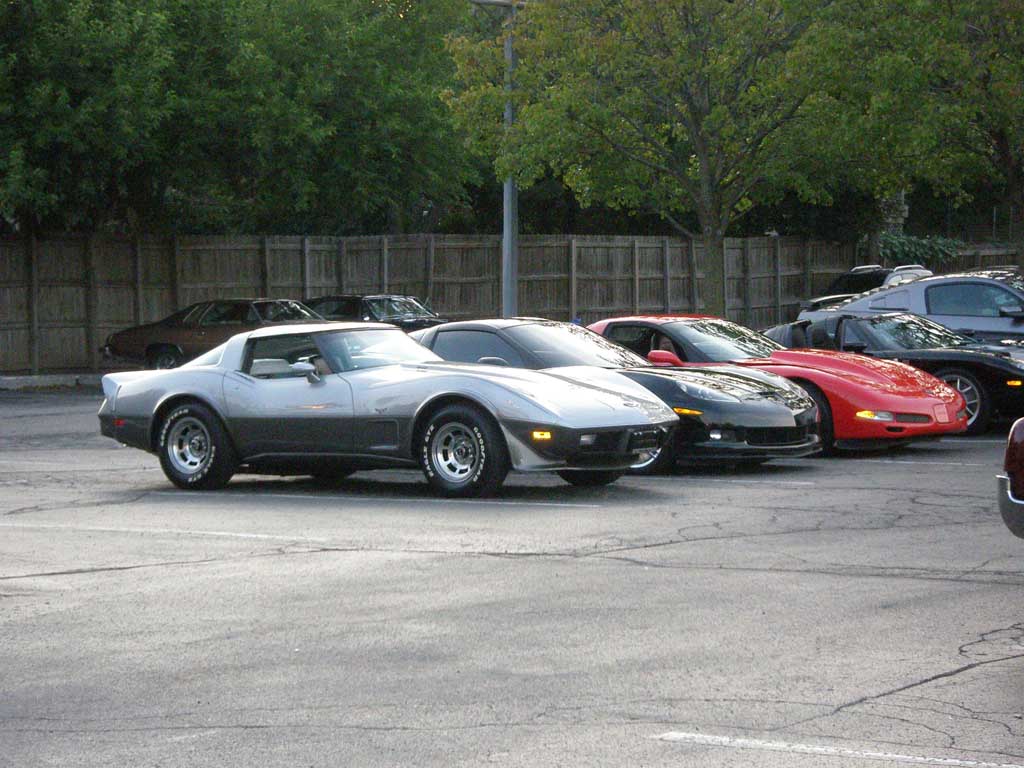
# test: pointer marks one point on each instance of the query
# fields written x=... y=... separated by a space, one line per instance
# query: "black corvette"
x=990 y=376
x=726 y=414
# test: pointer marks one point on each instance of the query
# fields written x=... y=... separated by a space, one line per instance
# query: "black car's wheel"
x=195 y=451
x=163 y=356
x=656 y=462
x=979 y=406
x=463 y=453
x=826 y=426
x=590 y=478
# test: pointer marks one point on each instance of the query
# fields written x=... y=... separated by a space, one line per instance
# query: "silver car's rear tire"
x=463 y=453
x=195 y=450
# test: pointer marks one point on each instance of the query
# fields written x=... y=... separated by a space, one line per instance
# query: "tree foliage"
x=295 y=115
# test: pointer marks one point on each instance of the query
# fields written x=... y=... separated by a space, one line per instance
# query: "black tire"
x=664 y=462
x=462 y=452
x=163 y=356
x=963 y=381
x=195 y=450
x=826 y=426
x=590 y=478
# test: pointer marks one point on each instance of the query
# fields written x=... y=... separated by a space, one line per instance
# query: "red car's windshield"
x=720 y=341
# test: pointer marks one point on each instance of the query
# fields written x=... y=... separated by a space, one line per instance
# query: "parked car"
x=1011 y=483
x=986 y=304
x=407 y=312
x=726 y=414
x=989 y=376
x=199 y=328
x=862 y=403
x=864 y=278
x=329 y=399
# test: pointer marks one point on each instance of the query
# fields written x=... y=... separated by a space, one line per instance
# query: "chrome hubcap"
x=970 y=394
x=647 y=458
x=188 y=446
x=456 y=453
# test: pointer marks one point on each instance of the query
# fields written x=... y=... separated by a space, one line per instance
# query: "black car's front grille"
x=779 y=435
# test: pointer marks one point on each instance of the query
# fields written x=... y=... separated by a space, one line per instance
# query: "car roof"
x=498 y=323
x=312 y=327
x=365 y=296
x=660 y=319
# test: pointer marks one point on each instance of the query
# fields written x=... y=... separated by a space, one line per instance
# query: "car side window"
x=969 y=299
x=230 y=313
x=339 y=309
x=635 y=338
x=662 y=343
x=470 y=346
x=271 y=357
x=852 y=333
x=891 y=300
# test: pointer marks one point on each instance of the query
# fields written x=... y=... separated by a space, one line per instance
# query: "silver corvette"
x=330 y=399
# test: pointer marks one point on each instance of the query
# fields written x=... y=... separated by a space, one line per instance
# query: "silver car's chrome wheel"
x=456 y=452
x=188 y=446
x=647 y=458
x=970 y=393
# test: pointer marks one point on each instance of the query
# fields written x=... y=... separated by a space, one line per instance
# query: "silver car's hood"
x=581 y=396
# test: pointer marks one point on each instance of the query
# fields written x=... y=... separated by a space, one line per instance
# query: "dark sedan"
x=726 y=414
x=199 y=328
x=989 y=375
x=407 y=312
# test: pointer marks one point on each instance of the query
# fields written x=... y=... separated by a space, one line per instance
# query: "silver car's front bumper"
x=1011 y=508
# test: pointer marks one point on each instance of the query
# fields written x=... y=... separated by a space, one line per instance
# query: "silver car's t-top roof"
x=234 y=348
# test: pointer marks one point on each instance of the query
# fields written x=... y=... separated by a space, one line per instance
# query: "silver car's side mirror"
x=306 y=369
x=492 y=361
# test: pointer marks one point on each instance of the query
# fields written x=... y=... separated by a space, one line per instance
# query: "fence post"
x=573 y=305
x=808 y=275
x=339 y=265
x=32 y=262
x=691 y=260
x=636 y=276
x=265 y=266
x=175 y=269
x=91 y=305
x=306 y=267
x=429 y=269
x=384 y=264
x=666 y=275
x=137 y=274
x=777 y=263
x=748 y=284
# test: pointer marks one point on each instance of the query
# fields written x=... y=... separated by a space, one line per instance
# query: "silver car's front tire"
x=463 y=453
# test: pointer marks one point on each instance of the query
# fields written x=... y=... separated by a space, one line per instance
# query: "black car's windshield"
x=561 y=344
x=371 y=348
x=281 y=311
x=720 y=341
x=397 y=306
x=912 y=332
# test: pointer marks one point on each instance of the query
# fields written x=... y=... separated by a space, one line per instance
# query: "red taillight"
x=118 y=422
x=1013 y=461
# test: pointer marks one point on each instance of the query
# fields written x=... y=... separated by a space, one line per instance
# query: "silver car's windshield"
x=912 y=332
x=371 y=348
x=721 y=341
x=559 y=344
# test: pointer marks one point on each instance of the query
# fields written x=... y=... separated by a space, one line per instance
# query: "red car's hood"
x=887 y=375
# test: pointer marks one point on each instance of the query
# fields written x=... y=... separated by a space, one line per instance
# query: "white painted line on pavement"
x=705 y=739
x=930 y=463
x=380 y=499
x=173 y=531
x=756 y=482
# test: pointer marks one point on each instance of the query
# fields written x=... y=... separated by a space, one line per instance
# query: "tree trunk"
x=713 y=266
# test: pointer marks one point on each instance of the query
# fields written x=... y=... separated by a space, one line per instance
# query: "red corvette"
x=862 y=402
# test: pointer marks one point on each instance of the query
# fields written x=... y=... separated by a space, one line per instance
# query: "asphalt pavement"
x=854 y=611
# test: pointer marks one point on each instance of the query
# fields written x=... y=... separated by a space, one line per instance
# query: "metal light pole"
x=510 y=194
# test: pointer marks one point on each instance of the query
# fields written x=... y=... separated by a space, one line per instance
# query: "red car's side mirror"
x=663 y=358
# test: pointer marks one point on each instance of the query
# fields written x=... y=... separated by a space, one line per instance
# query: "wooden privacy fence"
x=60 y=296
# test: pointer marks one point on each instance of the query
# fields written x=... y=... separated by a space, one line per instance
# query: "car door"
x=278 y=412
x=221 y=321
x=976 y=308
